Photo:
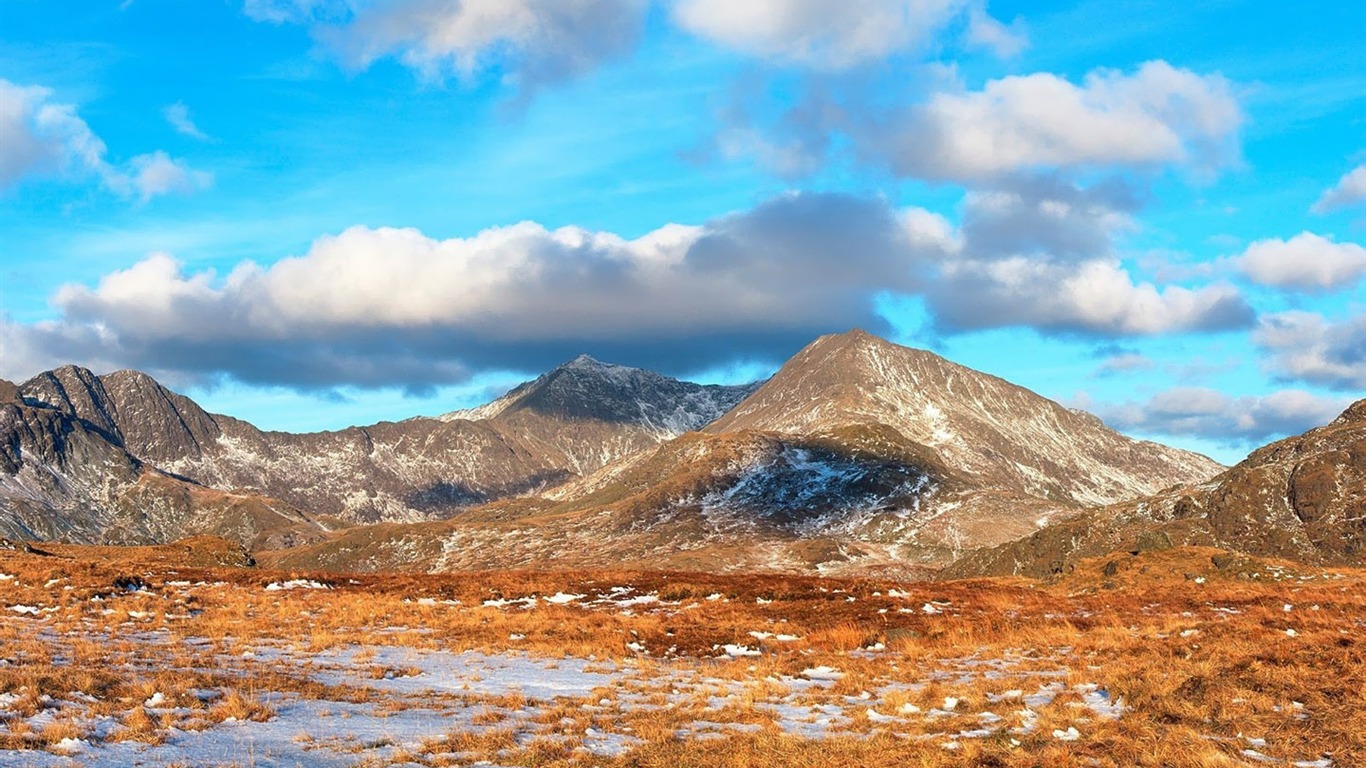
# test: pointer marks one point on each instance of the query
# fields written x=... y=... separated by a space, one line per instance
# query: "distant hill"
x=1301 y=498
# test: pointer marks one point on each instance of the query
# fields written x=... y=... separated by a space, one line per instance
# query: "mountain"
x=585 y=389
x=69 y=477
x=1000 y=434
x=565 y=424
x=1301 y=498
x=858 y=454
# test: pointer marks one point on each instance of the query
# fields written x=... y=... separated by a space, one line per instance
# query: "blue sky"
x=311 y=214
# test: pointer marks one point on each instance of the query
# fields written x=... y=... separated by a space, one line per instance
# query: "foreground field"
x=167 y=656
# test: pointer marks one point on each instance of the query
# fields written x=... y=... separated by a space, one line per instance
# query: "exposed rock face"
x=65 y=477
x=1302 y=498
x=984 y=427
x=567 y=423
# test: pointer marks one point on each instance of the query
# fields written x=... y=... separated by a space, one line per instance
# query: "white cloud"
x=1125 y=363
x=157 y=173
x=385 y=306
x=1207 y=413
x=817 y=34
x=394 y=306
x=1307 y=347
x=1159 y=115
x=1349 y=191
x=39 y=137
x=986 y=32
x=523 y=42
x=1306 y=262
x=1094 y=297
x=1048 y=218
x=178 y=115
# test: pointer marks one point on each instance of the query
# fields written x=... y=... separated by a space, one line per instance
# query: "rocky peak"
x=156 y=423
x=1004 y=435
x=1356 y=412
x=586 y=389
x=9 y=392
x=77 y=392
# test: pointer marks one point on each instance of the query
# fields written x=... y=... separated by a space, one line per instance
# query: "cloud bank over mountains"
x=374 y=306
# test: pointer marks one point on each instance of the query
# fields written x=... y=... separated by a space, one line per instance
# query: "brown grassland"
x=1211 y=659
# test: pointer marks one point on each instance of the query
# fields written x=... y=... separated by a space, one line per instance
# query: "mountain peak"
x=587 y=389
x=855 y=339
x=76 y=391
x=981 y=425
x=1355 y=412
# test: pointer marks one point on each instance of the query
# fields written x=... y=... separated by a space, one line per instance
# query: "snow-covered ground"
x=400 y=696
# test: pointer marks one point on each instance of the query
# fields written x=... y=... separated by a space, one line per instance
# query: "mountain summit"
x=585 y=389
x=998 y=433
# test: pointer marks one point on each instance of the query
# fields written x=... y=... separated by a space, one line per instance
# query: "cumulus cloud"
x=815 y=34
x=1158 y=115
x=178 y=115
x=1096 y=297
x=1305 y=346
x=1306 y=262
x=1349 y=191
x=392 y=306
x=41 y=137
x=157 y=173
x=1046 y=217
x=1207 y=413
x=525 y=42
x=1039 y=252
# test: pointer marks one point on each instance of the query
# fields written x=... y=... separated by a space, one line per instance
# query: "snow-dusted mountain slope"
x=65 y=477
x=1003 y=435
x=1301 y=498
x=567 y=423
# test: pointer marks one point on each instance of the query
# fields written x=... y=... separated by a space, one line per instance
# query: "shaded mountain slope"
x=63 y=476
x=1301 y=498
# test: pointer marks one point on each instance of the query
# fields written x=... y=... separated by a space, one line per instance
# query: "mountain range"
x=858 y=455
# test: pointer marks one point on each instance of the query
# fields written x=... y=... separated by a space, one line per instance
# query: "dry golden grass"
x=1198 y=653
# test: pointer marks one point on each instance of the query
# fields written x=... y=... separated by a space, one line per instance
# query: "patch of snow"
x=822 y=673
x=276 y=586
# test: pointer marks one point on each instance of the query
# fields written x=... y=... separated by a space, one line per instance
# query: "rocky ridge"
x=565 y=424
x=1301 y=498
